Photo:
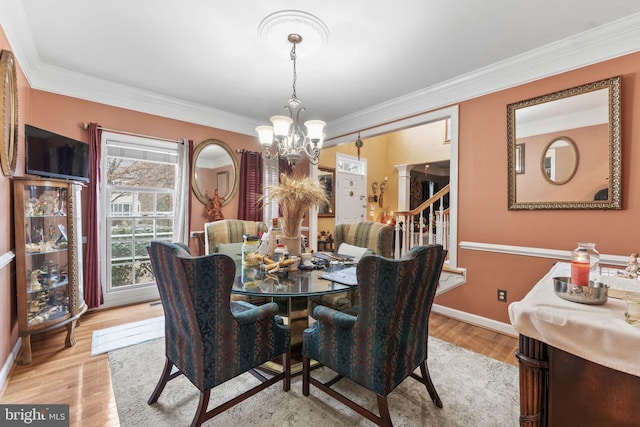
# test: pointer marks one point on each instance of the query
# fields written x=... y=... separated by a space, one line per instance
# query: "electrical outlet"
x=502 y=295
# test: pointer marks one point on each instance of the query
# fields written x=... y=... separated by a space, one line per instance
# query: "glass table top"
x=253 y=281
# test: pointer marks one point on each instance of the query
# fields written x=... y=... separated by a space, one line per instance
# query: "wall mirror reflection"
x=572 y=141
x=214 y=169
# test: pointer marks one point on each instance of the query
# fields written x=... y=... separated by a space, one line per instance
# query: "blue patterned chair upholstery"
x=208 y=337
x=387 y=339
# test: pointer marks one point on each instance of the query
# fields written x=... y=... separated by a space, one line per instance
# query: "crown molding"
x=609 y=41
x=77 y=85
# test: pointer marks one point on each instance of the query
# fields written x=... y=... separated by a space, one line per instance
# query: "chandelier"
x=286 y=133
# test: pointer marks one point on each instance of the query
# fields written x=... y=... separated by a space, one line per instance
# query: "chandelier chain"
x=295 y=74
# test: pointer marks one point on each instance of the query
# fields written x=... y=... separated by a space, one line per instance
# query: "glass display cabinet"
x=48 y=239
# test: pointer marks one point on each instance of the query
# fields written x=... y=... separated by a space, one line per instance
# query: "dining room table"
x=291 y=289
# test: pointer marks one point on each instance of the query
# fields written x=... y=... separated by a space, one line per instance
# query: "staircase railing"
x=423 y=225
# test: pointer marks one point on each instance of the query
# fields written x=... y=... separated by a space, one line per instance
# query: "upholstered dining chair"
x=374 y=236
x=386 y=341
x=226 y=236
x=209 y=338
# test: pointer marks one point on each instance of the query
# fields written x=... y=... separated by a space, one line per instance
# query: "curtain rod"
x=86 y=126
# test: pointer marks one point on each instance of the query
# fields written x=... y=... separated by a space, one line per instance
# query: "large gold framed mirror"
x=573 y=143
x=214 y=168
x=9 y=118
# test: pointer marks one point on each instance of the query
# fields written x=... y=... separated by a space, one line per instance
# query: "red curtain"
x=92 y=281
x=249 y=204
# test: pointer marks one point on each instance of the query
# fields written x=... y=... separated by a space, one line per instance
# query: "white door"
x=351 y=203
x=351 y=178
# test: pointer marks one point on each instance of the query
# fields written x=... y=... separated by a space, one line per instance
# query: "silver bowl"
x=594 y=294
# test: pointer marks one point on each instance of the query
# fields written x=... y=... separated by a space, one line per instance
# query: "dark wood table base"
x=561 y=389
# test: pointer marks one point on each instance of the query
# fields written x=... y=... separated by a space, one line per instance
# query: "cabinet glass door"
x=46 y=253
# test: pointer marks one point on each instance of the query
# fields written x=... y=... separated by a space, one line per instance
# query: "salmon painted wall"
x=64 y=115
x=483 y=213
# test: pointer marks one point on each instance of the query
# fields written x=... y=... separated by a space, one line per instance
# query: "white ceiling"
x=202 y=60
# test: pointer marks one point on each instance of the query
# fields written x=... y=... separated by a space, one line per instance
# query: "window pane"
x=164 y=204
x=139 y=173
x=143 y=272
x=121 y=274
x=121 y=247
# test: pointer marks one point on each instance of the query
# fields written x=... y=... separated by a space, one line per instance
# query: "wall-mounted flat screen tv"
x=55 y=156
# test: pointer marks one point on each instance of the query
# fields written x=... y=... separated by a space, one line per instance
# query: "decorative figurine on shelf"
x=214 y=207
x=631 y=272
x=40 y=208
x=38 y=236
x=29 y=207
x=51 y=233
x=35 y=283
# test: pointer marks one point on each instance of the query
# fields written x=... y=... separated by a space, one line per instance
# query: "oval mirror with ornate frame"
x=556 y=130
x=559 y=161
x=9 y=96
x=215 y=167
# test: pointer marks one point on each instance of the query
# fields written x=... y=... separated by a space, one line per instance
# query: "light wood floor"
x=60 y=375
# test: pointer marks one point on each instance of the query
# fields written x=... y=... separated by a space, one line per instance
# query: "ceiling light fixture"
x=286 y=133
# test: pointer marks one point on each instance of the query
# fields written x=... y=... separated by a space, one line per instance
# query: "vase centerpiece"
x=295 y=196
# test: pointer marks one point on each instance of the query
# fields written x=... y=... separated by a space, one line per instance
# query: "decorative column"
x=404 y=186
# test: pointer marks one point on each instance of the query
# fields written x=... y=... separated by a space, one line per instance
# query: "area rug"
x=475 y=391
x=109 y=339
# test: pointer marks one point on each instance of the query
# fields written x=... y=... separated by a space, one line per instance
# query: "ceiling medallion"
x=275 y=29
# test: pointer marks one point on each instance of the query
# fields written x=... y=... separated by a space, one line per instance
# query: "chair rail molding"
x=6 y=258
x=560 y=255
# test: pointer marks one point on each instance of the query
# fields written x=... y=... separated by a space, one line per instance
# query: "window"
x=271 y=171
x=139 y=177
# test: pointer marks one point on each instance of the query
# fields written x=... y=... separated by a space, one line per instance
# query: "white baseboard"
x=494 y=325
x=8 y=364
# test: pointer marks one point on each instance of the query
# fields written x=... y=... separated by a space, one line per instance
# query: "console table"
x=579 y=364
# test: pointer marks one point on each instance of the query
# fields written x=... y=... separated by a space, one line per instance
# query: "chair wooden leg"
x=383 y=408
x=306 y=373
x=166 y=376
x=201 y=412
x=426 y=377
x=286 y=367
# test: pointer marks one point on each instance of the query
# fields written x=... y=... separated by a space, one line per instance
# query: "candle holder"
x=632 y=315
x=595 y=293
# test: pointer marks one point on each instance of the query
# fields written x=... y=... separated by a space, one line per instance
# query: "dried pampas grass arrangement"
x=296 y=196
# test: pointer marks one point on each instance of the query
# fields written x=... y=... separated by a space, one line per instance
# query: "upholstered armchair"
x=226 y=236
x=387 y=340
x=375 y=236
x=209 y=338
x=228 y=232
